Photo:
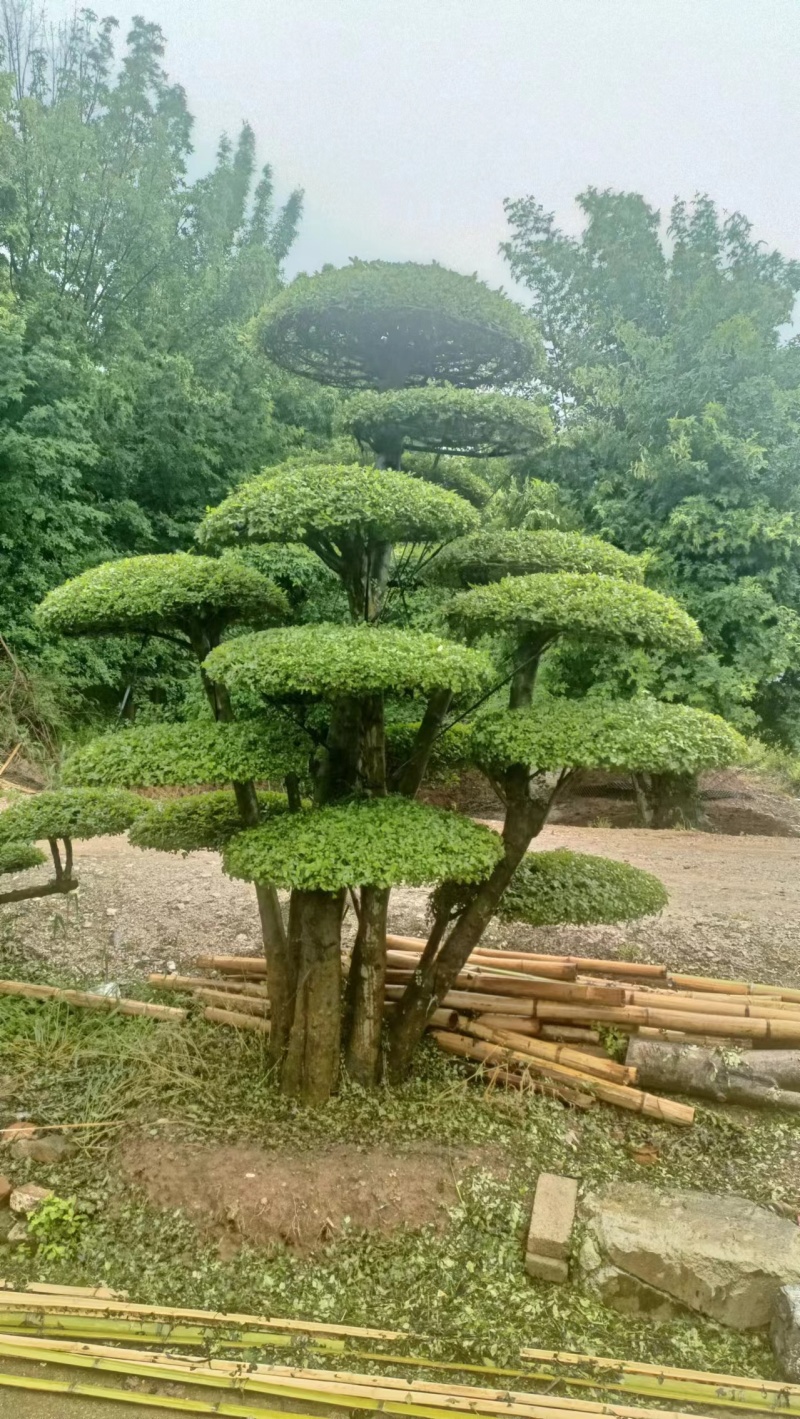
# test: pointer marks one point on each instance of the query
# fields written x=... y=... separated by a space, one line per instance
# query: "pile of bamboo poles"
x=538 y=1022
x=107 y=1336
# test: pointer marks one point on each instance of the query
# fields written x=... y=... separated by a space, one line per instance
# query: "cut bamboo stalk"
x=625 y=1097
x=729 y=987
x=524 y=988
x=192 y=983
x=11 y=757
x=529 y=959
x=49 y=1288
x=233 y=965
x=474 y=1000
x=235 y=1020
x=681 y=1037
x=669 y=1372
x=90 y=1001
x=444 y=1020
x=40 y=1385
x=567 y=1034
x=690 y=1004
x=508 y=1022
x=543 y=1049
x=246 y=1004
x=775 y=1030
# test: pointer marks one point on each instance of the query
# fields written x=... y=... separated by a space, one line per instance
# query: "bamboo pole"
x=40 y=1385
x=777 y=1030
x=90 y=1001
x=691 y=1005
x=474 y=1000
x=624 y=1096
x=669 y=1372
x=193 y=983
x=507 y=1022
x=246 y=1004
x=567 y=1034
x=11 y=757
x=729 y=987
x=233 y=965
x=522 y=987
x=235 y=1020
x=558 y=1054
x=529 y=959
x=682 y=1037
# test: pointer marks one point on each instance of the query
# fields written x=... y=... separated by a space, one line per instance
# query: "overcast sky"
x=408 y=121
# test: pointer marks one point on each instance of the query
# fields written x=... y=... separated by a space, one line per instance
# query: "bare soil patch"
x=301 y=1200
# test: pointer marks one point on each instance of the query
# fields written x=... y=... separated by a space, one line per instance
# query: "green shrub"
x=181 y=755
x=197 y=822
x=551 y=888
x=327 y=662
x=379 y=842
x=446 y=420
x=451 y=750
x=640 y=735
x=70 y=813
x=488 y=556
x=19 y=856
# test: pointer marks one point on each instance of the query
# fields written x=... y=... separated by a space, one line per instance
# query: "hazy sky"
x=408 y=121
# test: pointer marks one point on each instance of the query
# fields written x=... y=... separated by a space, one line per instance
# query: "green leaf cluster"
x=576 y=888
x=326 y=662
x=641 y=735
x=379 y=842
x=550 y=604
x=445 y=420
x=70 y=813
x=176 y=755
x=459 y=475
x=384 y=324
x=451 y=750
x=152 y=594
x=491 y=554
x=198 y=822
x=339 y=503
x=19 y=856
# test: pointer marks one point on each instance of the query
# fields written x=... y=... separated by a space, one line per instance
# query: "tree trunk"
x=311 y=1067
x=670 y=801
x=525 y=817
x=764 y=1078
x=367 y=985
x=410 y=775
x=340 y=763
x=49 y=889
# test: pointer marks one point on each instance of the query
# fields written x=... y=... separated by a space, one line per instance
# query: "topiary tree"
x=59 y=815
x=576 y=888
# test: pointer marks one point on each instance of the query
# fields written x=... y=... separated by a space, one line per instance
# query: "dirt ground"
x=303 y=1200
x=734 y=909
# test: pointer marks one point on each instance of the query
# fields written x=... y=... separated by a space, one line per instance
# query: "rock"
x=785 y=1331
x=722 y=1256
x=25 y=1200
x=51 y=1148
x=17 y=1234
x=546 y=1268
x=6 y=1190
x=17 y=1129
x=552 y=1216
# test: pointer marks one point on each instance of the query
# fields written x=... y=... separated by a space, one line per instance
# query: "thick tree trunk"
x=49 y=889
x=338 y=772
x=410 y=775
x=311 y=1067
x=367 y=985
x=525 y=817
x=669 y=801
x=763 y=1078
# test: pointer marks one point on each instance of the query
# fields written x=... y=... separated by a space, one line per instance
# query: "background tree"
x=677 y=394
x=59 y=815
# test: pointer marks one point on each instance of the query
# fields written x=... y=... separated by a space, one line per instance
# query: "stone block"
x=553 y=1215
x=25 y=1200
x=546 y=1268
x=784 y=1332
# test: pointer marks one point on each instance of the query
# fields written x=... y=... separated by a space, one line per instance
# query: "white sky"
x=408 y=121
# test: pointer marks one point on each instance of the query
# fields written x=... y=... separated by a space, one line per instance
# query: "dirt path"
x=734 y=908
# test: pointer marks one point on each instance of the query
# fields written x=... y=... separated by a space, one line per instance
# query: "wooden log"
x=622 y=1095
x=774 y=1030
x=90 y=1001
x=570 y=1034
x=235 y=1019
x=544 y=1049
x=249 y=1005
x=192 y=983
x=758 y=1078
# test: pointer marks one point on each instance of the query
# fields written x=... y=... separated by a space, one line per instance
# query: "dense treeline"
x=133 y=396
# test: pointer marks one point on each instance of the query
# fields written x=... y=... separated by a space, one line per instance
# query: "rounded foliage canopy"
x=551 y=888
x=154 y=594
x=385 y=324
x=339 y=503
x=70 y=813
x=327 y=661
x=379 y=842
x=488 y=556
x=641 y=735
x=198 y=822
x=549 y=604
x=19 y=856
x=167 y=755
x=442 y=419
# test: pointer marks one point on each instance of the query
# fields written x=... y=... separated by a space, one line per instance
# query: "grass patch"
x=463 y=1286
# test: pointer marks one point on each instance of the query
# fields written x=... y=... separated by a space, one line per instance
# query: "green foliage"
x=457 y=474
x=197 y=823
x=379 y=842
x=382 y=324
x=69 y=813
x=56 y=1226
x=446 y=420
x=329 y=661
x=570 y=603
x=489 y=555
x=551 y=888
x=19 y=856
x=204 y=752
x=642 y=735
x=450 y=752
x=149 y=595
x=323 y=505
